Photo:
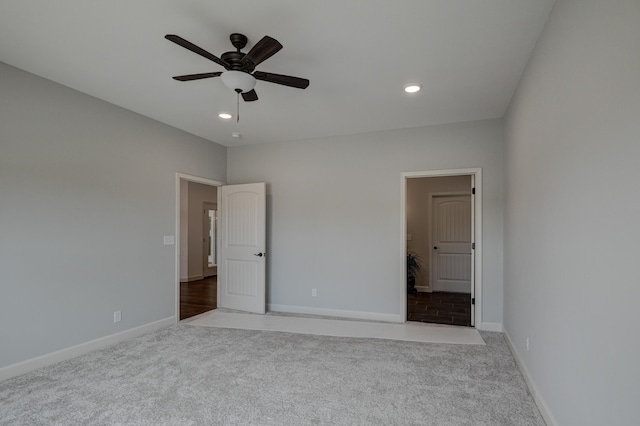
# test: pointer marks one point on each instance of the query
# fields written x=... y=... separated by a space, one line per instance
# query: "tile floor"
x=440 y=308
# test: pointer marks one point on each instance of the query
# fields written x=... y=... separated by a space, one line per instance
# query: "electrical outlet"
x=527 y=343
x=314 y=292
x=117 y=316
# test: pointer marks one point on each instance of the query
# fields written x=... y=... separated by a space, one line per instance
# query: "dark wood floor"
x=197 y=297
x=440 y=308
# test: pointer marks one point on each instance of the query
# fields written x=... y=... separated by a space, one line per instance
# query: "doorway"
x=197 y=242
x=441 y=229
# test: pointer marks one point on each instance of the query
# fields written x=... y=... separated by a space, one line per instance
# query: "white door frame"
x=189 y=178
x=476 y=273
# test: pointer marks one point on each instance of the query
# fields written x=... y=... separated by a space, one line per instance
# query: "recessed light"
x=412 y=88
x=224 y=115
x=236 y=135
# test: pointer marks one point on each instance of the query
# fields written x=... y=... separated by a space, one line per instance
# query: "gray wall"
x=572 y=209
x=334 y=211
x=87 y=191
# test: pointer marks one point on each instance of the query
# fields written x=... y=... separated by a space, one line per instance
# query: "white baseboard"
x=192 y=278
x=423 y=288
x=533 y=390
x=338 y=313
x=74 y=351
x=491 y=326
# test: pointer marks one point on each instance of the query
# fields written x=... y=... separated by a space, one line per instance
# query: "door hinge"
x=473 y=300
x=473 y=191
x=473 y=246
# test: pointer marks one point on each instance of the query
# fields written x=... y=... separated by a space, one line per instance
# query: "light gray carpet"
x=186 y=375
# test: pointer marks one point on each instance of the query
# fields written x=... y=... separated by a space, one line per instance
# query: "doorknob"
x=259 y=254
x=435 y=248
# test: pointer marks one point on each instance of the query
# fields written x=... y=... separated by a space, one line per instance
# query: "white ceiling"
x=358 y=54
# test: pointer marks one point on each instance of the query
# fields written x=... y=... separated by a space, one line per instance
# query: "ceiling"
x=358 y=55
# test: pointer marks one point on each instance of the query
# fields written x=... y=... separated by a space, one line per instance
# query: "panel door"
x=241 y=265
x=451 y=253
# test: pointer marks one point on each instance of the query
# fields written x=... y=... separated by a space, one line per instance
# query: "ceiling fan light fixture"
x=238 y=81
x=225 y=115
x=412 y=88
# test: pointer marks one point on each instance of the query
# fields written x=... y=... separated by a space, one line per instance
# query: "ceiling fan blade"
x=285 y=80
x=192 y=47
x=263 y=50
x=250 y=96
x=190 y=77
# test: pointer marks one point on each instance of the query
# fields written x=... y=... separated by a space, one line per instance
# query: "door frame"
x=189 y=178
x=476 y=272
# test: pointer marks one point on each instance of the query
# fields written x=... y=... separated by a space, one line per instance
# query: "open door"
x=241 y=265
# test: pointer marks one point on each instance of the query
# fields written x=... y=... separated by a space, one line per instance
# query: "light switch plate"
x=169 y=240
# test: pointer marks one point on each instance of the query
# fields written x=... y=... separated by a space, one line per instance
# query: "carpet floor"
x=186 y=375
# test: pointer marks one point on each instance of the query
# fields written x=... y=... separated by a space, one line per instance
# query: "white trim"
x=473 y=252
x=77 y=350
x=477 y=174
x=545 y=412
x=423 y=289
x=337 y=313
x=192 y=278
x=491 y=326
x=189 y=178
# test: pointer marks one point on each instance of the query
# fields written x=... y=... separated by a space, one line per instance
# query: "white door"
x=451 y=251
x=241 y=264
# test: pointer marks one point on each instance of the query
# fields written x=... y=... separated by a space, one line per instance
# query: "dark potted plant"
x=413 y=266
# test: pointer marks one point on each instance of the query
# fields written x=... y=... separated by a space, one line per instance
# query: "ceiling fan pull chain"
x=237 y=107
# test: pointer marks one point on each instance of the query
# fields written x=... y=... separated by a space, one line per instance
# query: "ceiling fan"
x=240 y=74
